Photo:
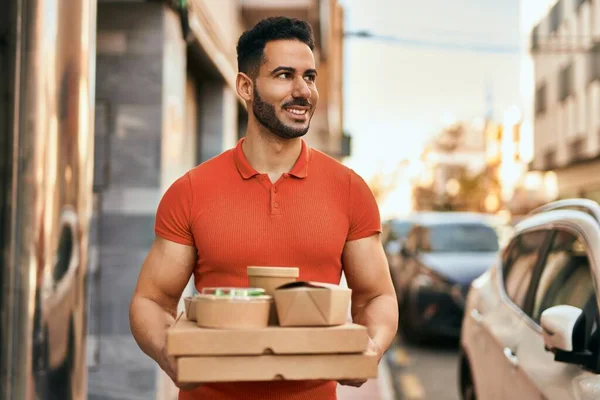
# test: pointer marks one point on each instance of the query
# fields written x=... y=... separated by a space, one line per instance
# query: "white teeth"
x=297 y=112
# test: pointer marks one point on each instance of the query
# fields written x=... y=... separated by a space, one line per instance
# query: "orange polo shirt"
x=235 y=217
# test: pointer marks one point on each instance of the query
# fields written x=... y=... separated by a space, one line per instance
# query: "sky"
x=399 y=94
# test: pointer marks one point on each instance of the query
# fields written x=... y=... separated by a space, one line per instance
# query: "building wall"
x=146 y=135
x=576 y=117
x=217 y=26
x=129 y=120
x=327 y=124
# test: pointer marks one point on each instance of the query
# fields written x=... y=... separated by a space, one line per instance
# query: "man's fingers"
x=188 y=386
x=354 y=383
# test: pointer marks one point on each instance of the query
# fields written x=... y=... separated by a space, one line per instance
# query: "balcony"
x=566 y=83
x=594 y=63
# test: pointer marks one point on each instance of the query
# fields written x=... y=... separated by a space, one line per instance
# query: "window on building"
x=579 y=3
x=540 y=99
x=556 y=16
x=566 y=82
x=549 y=159
x=535 y=38
x=566 y=277
x=576 y=148
x=519 y=261
x=594 y=63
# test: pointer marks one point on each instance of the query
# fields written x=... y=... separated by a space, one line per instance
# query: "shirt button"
x=274 y=190
x=276 y=205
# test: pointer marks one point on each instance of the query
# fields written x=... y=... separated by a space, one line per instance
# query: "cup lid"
x=279 y=272
x=233 y=292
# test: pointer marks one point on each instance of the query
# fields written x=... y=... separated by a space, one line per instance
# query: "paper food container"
x=269 y=278
x=271 y=353
x=232 y=308
x=185 y=338
x=275 y=367
x=312 y=304
x=190 y=308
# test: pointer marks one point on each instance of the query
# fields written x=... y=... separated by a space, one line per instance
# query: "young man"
x=271 y=200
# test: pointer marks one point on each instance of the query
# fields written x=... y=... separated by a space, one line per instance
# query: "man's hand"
x=169 y=365
x=372 y=349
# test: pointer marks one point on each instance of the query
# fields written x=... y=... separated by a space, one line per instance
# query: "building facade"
x=565 y=47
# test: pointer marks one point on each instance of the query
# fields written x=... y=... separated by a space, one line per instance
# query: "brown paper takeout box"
x=270 y=353
x=185 y=338
x=312 y=304
x=271 y=367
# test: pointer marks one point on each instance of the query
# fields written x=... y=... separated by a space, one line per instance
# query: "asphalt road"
x=427 y=371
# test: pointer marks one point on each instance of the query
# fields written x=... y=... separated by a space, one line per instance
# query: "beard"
x=265 y=114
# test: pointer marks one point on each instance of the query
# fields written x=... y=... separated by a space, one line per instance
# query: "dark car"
x=442 y=255
x=394 y=234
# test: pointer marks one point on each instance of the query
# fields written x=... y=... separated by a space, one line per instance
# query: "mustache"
x=298 y=102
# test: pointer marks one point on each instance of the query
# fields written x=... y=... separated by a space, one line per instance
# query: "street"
x=428 y=371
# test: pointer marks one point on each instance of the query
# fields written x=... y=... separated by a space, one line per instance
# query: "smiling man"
x=272 y=201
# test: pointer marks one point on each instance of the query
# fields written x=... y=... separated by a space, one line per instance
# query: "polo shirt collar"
x=299 y=170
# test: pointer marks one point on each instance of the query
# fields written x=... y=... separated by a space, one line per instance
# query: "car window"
x=448 y=238
x=523 y=255
x=565 y=278
x=399 y=229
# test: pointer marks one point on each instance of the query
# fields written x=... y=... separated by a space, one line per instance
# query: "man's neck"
x=271 y=155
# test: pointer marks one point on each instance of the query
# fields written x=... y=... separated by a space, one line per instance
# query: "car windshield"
x=400 y=229
x=461 y=238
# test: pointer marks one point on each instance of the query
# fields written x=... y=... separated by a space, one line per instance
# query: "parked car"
x=443 y=253
x=530 y=329
x=393 y=236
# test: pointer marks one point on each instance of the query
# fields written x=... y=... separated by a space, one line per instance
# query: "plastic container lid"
x=276 y=272
x=233 y=291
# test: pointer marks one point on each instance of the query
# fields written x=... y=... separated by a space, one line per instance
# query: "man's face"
x=285 y=91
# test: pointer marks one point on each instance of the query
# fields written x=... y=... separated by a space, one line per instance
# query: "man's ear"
x=244 y=86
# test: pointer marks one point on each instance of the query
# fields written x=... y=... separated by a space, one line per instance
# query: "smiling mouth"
x=297 y=113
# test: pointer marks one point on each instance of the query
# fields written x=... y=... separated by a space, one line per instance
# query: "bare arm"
x=164 y=275
x=374 y=302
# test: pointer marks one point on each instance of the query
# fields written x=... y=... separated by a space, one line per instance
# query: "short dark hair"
x=251 y=45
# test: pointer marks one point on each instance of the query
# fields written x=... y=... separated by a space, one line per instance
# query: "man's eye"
x=310 y=78
x=284 y=75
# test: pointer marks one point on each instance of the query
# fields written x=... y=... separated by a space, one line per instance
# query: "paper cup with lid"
x=270 y=278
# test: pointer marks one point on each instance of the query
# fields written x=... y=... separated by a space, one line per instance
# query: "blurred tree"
x=450 y=138
x=382 y=184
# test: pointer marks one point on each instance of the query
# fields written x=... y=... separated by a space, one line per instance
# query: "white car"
x=530 y=324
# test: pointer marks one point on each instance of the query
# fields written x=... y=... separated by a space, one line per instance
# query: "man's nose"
x=301 y=89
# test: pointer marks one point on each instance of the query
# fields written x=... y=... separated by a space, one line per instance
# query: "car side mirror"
x=565 y=335
x=558 y=324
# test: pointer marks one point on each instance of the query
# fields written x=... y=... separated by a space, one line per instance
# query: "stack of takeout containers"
x=279 y=328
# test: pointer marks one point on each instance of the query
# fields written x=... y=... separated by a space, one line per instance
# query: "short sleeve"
x=365 y=219
x=173 y=217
